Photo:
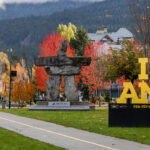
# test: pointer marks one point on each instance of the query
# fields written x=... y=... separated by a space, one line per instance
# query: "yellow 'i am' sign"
x=128 y=86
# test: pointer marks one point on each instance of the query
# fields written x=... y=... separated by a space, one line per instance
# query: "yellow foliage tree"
x=6 y=81
x=3 y=72
x=6 y=85
x=4 y=58
x=67 y=31
x=23 y=88
x=22 y=73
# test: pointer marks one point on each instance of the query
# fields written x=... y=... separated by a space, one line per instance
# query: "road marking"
x=60 y=134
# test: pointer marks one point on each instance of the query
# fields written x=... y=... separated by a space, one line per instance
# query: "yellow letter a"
x=144 y=90
x=123 y=98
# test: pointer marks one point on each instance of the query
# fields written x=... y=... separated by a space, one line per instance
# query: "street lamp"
x=10 y=51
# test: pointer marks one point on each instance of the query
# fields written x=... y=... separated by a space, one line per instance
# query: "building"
x=111 y=38
x=101 y=31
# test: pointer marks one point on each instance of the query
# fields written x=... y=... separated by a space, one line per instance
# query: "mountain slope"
x=17 y=10
x=26 y=33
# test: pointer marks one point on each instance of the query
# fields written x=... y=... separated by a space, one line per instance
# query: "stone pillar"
x=71 y=91
x=52 y=89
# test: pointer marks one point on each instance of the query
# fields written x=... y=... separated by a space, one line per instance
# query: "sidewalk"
x=70 y=138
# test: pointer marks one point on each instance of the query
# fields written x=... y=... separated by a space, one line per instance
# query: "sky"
x=3 y=2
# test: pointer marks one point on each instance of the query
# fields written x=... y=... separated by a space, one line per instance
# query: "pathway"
x=69 y=138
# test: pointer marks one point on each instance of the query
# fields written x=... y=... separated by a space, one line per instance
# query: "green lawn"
x=12 y=141
x=93 y=121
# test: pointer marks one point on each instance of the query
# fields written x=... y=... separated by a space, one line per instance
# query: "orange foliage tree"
x=22 y=91
x=17 y=93
x=7 y=81
x=23 y=88
x=29 y=90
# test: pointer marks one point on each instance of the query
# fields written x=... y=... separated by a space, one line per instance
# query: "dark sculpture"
x=60 y=65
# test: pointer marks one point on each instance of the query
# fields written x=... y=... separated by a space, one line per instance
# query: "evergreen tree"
x=80 y=41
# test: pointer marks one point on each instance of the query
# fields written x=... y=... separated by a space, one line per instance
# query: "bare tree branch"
x=140 y=9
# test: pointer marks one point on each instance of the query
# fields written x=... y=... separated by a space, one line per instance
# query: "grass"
x=12 y=141
x=93 y=121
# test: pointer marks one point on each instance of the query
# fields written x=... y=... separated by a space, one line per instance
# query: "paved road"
x=72 y=139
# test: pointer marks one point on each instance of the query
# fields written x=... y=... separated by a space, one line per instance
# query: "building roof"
x=96 y=37
x=120 y=34
x=111 y=40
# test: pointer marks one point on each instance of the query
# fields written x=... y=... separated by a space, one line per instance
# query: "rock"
x=63 y=70
x=71 y=91
x=63 y=49
x=52 y=88
x=61 y=61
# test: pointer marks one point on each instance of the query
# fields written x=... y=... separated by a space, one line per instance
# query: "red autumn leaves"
x=49 y=47
x=90 y=75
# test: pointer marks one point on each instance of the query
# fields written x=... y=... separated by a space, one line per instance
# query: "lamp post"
x=111 y=93
x=10 y=51
x=10 y=88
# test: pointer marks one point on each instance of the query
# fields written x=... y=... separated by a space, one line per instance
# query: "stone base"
x=71 y=103
x=42 y=103
x=62 y=108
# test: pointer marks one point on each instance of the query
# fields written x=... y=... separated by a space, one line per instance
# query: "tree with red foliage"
x=49 y=47
x=91 y=75
x=41 y=77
